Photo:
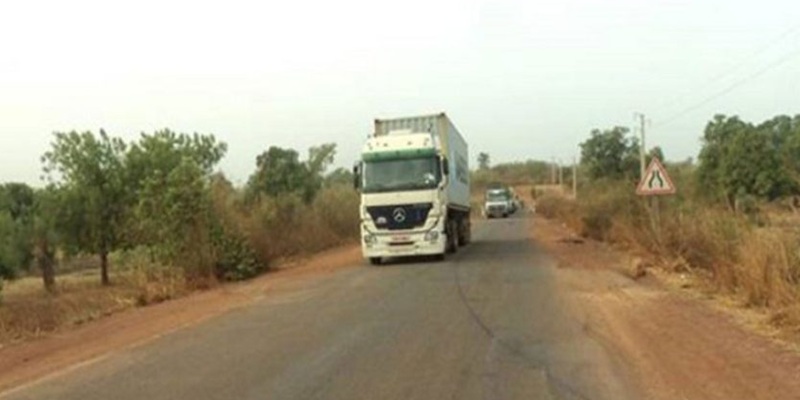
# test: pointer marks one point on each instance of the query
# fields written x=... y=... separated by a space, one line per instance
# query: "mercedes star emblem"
x=399 y=215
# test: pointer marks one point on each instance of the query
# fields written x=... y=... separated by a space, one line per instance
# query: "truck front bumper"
x=495 y=212
x=403 y=244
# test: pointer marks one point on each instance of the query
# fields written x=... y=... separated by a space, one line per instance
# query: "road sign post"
x=655 y=182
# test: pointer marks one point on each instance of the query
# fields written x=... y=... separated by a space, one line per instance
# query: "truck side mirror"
x=445 y=166
x=357 y=176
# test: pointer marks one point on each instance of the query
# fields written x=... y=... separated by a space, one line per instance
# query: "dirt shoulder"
x=676 y=345
x=26 y=362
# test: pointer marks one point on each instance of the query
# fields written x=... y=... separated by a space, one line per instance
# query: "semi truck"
x=414 y=180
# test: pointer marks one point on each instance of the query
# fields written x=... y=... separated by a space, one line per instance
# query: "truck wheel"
x=463 y=232
x=375 y=260
x=452 y=237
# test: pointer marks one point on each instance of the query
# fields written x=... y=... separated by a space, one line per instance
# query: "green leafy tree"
x=8 y=258
x=611 y=154
x=163 y=151
x=483 y=161
x=151 y=165
x=279 y=171
x=319 y=159
x=784 y=132
x=738 y=160
x=175 y=211
x=90 y=169
x=17 y=201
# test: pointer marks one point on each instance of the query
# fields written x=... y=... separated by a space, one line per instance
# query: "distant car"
x=498 y=203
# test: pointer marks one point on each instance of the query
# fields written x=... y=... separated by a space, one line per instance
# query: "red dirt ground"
x=677 y=347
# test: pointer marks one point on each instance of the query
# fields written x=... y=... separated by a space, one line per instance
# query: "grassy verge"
x=28 y=311
x=754 y=258
x=267 y=233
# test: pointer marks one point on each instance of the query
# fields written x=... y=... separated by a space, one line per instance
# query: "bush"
x=235 y=259
x=596 y=225
x=286 y=226
x=151 y=281
x=759 y=264
x=337 y=206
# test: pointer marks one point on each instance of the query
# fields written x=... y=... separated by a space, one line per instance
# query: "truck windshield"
x=405 y=174
x=496 y=196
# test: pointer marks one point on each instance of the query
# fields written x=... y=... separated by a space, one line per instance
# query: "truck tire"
x=452 y=236
x=375 y=261
x=464 y=234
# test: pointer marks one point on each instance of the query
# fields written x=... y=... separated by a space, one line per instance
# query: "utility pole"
x=655 y=214
x=642 y=158
x=560 y=174
x=574 y=178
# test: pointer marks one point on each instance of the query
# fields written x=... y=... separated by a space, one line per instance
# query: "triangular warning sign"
x=656 y=180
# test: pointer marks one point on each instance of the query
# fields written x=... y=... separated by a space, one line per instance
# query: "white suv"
x=498 y=203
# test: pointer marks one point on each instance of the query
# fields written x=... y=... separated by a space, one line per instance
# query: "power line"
x=738 y=65
x=757 y=52
x=729 y=88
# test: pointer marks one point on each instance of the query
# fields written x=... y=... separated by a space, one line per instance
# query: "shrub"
x=759 y=264
x=337 y=206
x=235 y=259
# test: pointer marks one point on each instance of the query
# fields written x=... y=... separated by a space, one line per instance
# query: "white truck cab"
x=414 y=183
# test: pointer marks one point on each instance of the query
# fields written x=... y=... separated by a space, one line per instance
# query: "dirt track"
x=679 y=347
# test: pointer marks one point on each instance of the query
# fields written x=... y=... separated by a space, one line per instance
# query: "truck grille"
x=402 y=216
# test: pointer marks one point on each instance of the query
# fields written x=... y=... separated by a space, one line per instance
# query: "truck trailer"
x=413 y=176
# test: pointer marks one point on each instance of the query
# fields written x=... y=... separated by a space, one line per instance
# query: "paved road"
x=488 y=323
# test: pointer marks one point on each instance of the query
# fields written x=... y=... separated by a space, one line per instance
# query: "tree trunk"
x=48 y=272
x=104 y=268
x=45 y=259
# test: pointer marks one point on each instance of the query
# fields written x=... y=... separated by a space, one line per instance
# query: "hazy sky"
x=520 y=79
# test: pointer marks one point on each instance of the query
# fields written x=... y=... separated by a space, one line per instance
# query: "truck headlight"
x=370 y=239
x=432 y=236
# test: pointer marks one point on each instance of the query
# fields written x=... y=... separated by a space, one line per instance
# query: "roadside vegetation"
x=124 y=224
x=733 y=223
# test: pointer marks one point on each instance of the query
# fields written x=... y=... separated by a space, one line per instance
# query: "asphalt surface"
x=488 y=323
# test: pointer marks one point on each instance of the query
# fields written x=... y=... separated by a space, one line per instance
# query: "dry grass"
x=755 y=261
x=28 y=311
x=286 y=227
